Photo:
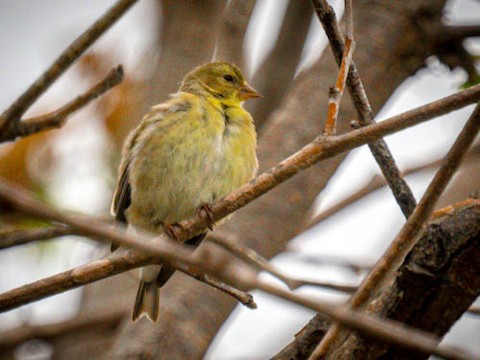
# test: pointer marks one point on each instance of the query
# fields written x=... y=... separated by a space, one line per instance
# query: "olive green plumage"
x=189 y=151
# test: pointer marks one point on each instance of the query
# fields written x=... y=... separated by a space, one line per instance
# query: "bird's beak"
x=247 y=92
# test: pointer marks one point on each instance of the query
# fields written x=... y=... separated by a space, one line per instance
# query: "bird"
x=187 y=152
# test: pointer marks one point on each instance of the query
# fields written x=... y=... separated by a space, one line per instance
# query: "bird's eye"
x=229 y=78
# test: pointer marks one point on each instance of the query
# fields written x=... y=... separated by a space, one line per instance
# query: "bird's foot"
x=204 y=211
x=173 y=230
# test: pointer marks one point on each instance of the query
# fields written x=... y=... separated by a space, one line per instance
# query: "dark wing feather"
x=121 y=200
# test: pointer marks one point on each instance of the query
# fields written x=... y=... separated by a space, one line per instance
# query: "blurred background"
x=278 y=43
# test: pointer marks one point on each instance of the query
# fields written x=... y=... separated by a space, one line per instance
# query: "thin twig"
x=57 y=118
x=242 y=297
x=251 y=257
x=20 y=237
x=13 y=114
x=336 y=93
x=409 y=234
x=377 y=182
x=379 y=149
x=319 y=149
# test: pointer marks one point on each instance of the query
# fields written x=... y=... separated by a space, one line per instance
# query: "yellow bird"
x=186 y=153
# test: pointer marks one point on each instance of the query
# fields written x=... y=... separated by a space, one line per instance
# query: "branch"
x=409 y=234
x=173 y=253
x=379 y=329
x=376 y=183
x=336 y=93
x=460 y=32
x=22 y=334
x=432 y=280
x=379 y=149
x=21 y=237
x=57 y=118
x=62 y=63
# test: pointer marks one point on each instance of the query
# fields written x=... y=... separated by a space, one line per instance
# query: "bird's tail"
x=146 y=301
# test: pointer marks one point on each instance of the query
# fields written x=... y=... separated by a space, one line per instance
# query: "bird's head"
x=220 y=80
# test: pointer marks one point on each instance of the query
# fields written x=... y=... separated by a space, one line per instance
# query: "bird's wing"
x=161 y=116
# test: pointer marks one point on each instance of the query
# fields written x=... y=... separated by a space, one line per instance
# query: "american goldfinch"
x=186 y=153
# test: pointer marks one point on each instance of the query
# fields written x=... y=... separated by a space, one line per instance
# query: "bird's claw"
x=173 y=230
x=204 y=211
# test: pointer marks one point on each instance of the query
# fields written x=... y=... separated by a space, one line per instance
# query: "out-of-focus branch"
x=57 y=118
x=379 y=149
x=230 y=42
x=409 y=234
x=48 y=332
x=13 y=114
x=20 y=237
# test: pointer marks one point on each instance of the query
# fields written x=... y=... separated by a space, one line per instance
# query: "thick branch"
x=21 y=237
x=432 y=280
x=62 y=63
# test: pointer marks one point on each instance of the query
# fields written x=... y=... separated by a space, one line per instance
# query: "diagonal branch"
x=410 y=232
x=379 y=149
x=57 y=118
x=62 y=63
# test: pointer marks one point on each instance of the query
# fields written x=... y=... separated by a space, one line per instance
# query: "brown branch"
x=379 y=149
x=389 y=331
x=432 y=280
x=380 y=329
x=21 y=237
x=376 y=183
x=461 y=32
x=62 y=63
x=19 y=335
x=408 y=236
x=57 y=118
x=319 y=149
x=336 y=93
x=242 y=297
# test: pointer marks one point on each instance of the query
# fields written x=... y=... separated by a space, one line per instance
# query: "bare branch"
x=409 y=234
x=47 y=332
x=62 y=63
x=21 y=237
x=376 y=183
x=379 y=149
x=57 y=118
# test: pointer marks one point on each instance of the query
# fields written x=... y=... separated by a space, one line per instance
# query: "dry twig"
x=379 y=149
x=20 y=237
